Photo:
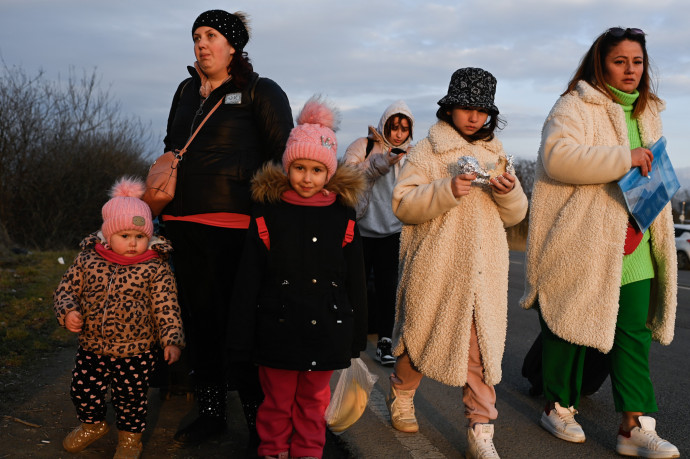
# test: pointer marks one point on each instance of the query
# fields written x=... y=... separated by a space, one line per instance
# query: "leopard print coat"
x=126 y=309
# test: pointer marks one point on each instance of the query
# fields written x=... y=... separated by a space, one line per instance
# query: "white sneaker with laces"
x=401 y=407
x=644 y=442
x=561 y=423
x=480 y=443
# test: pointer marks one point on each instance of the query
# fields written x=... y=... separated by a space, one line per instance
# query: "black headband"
x=229 y=25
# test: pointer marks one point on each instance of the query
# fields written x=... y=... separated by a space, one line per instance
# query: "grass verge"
x=27 y=323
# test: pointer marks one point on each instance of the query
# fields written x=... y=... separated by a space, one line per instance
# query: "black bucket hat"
x=471 y=87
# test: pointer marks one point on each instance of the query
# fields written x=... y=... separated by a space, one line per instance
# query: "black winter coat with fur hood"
x=300 y=305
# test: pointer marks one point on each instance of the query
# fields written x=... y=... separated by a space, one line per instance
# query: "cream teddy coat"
x=453 y=259
x=578 y=222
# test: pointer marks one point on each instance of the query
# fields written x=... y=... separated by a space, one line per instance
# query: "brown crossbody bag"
x=162 y=177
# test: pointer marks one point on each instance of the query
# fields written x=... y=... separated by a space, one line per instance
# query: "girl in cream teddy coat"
x=452 y=296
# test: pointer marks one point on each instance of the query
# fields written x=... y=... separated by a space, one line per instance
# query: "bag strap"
x=263 y=232
x=370 y=146
x=179 y=154
x=349 y=232
x=184 y=86
x=265 y=238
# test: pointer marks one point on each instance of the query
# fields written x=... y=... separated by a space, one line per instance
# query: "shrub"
x=62 y=146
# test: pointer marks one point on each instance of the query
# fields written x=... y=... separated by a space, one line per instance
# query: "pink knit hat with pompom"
x=125 y=210
x=314 y=136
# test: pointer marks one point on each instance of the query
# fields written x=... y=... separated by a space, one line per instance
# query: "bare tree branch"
x=62 y=145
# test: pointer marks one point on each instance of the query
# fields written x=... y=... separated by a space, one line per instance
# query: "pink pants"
x=291 y=417
x=478 y=397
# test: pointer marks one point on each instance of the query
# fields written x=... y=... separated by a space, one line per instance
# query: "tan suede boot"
x=128 y=445
x=84 y=435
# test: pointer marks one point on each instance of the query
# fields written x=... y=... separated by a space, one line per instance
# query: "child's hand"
x=503 y=183
x=460 y=184
x=171 y=354
x=395 y=155
x=73 y=321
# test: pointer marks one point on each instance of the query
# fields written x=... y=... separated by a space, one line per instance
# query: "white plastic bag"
x=350 y=396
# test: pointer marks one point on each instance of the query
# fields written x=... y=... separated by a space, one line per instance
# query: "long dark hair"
x=486 y=132
x=592 y=67
x=241 y=69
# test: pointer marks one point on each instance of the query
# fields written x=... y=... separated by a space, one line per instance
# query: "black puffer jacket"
x=302 y=304
x=215 y=172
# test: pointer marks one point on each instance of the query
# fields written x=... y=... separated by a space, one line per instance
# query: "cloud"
x=362 y=54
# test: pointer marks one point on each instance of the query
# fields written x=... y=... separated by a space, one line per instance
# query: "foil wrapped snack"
x=470 y=165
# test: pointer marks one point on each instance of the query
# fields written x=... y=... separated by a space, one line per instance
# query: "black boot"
x=251 y=399
x=211 y=420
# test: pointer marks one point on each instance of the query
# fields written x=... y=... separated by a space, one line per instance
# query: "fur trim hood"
x=270 y=182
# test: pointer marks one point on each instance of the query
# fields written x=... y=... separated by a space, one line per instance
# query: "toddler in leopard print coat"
x=120 y=296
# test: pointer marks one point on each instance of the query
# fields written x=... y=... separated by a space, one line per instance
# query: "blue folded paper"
x=647 y=196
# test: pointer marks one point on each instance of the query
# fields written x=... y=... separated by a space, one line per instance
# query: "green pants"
x=563 y=362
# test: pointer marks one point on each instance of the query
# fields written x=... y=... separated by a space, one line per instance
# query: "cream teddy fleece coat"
x=578 y=222
x=453 y=259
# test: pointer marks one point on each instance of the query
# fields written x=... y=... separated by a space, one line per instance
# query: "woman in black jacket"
x=209 y=216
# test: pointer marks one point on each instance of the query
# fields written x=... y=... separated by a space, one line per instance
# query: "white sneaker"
x=644 y=442
x=480 y=444
x=561 y=423
x=401 y=407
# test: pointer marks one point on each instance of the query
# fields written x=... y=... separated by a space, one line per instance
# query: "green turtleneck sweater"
x=638 y=265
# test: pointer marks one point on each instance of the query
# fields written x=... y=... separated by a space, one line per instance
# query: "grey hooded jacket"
x=375 y=216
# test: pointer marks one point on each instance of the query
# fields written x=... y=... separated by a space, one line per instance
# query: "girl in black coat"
x=299 y=308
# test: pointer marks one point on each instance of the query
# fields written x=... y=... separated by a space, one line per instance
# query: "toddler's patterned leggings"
x=128 y=379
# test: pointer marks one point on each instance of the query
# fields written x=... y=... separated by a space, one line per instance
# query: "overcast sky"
x=363 y=54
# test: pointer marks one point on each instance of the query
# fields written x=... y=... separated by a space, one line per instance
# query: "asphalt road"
x=36 y=413
x=517 y=433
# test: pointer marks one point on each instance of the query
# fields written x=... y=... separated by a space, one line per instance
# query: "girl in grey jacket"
x=380 y=156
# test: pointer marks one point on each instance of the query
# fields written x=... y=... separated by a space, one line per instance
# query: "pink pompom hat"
x=126 y=210
x=314 y=136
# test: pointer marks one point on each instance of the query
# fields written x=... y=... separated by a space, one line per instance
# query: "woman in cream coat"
x=586 y=291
